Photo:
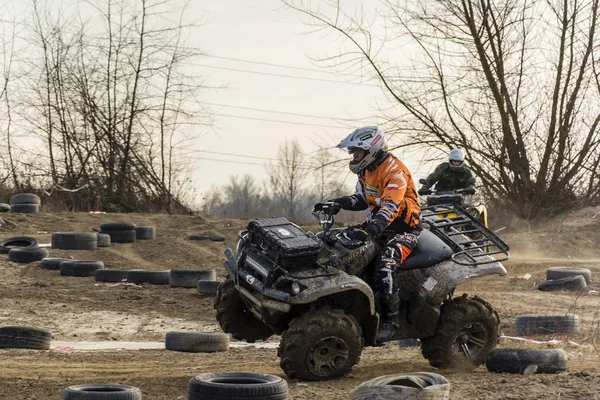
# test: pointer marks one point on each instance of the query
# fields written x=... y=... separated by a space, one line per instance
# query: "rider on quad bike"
x=385 y=187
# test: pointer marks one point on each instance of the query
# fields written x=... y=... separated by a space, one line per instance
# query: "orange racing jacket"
x=389 y=192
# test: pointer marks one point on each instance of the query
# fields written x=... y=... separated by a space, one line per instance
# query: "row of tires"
x=22 y=203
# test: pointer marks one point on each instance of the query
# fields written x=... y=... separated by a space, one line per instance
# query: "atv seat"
x=430 y=250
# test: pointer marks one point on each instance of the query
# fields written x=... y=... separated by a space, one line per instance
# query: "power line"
x=244 y=162
x=284 y=112
x=225 y=154
x=284 y=76
x=280 y=121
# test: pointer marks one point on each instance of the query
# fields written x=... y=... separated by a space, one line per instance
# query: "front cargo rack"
x=472 y=242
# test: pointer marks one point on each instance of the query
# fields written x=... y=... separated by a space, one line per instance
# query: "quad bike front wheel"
x=468 y=329
x=234 y=316
x=319 y=345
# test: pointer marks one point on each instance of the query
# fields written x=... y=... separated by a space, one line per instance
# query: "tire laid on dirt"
x=197 y=342
x=207 y=287
x=515 y=361
x=25 y=208
x=75 y=240
x=103 y=240
x=467 y=330
x=118 y=226
x=52 y=263
x=416 y=385
x=138 y=276
x=27 y=254
x=24 y=337
x=570 y=283
x=110 y=275
x=17 y=241
x=563 y=272
x=213 y=238
x=121 y=236
x=235 y=318
x=80 y=268
x=189 y=278
x=237 y=385
x=528 y=324
x=319 y=345
x=145 y=233
x=25 y=198
x=102 y=392
x=4 y=207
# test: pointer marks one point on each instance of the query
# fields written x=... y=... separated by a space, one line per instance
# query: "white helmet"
x=456 y=155
x=370 y=139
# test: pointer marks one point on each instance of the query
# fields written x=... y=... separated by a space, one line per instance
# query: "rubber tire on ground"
x=311 y=329
x=103 y=240
x=548 y=361
x=27 y=254
x=214 y=238
x=110 y=275
x=4 y=207
x=25 y=198
x=235 y=318
x=207 y=287
x=563 y=272
x=237 y=385
x=102 y=392
x=458 y=316
x=118 y=226
x=152 y=277
x=189 y=278
x=409 y=386
x=574 y=283
x=24 y=337
x=74 y=240
x=80 y=268
x=17 y=241
x=52 y=263
x=120 y=236
x=145 y=233
x=25 y=208
x=528 y=324
x=197 y=342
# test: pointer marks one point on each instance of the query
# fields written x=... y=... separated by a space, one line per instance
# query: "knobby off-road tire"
x=102 y=392
x=235 y=318
x=320 y=345
x=467 y=330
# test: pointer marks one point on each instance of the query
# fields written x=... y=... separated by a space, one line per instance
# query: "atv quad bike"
x=313 y=291
x=440 y=203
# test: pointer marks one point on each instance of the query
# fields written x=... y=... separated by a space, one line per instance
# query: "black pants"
x=396 y=249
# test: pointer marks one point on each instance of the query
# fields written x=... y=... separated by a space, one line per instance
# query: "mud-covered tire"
x=235 y=318
x=515 y=361
x=563 y=272
x=197 y=342
x=332 y=333
x=574 y=283
x=545 y=324
x=464 y=321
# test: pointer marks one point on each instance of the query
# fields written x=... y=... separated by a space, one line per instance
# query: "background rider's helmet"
x=370 y=139
x=458 y=157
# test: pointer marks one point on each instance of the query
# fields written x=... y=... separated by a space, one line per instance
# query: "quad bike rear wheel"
x=319 y=345
x=235 y=318
x=468 y=329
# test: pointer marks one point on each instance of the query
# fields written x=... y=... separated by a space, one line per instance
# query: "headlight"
x=290 y=287
x=295 y=288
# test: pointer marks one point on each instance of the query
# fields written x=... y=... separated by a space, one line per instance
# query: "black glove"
x=363 y=235
x=424 y=190
x=335 y=207
x=344 y=202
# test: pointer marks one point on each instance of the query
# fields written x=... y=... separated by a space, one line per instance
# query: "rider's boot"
x=388 y=325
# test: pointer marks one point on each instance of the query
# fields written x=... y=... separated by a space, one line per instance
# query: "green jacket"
x=448 y=179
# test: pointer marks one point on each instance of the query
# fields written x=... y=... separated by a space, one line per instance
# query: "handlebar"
x=325 y=215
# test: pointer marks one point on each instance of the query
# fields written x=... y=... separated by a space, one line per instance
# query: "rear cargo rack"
x=472 y=243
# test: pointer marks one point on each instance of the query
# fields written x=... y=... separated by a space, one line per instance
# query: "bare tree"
x=288 y=174
x=515 y=83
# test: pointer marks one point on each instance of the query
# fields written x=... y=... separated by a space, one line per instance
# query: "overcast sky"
x=238 y=35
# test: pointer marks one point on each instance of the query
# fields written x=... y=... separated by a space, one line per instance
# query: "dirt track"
x=80 y=309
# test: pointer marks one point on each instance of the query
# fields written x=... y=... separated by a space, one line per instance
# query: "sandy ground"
x=80 y=309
